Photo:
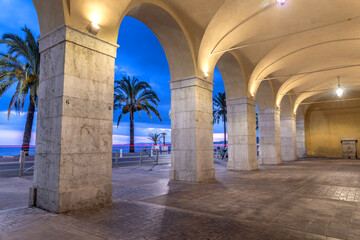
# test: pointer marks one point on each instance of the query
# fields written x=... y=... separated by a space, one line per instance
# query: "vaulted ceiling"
x=300 y=48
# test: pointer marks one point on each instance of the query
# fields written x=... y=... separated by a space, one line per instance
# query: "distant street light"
x=164 y=134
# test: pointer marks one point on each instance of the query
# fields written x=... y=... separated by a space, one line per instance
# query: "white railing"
x=22 y=162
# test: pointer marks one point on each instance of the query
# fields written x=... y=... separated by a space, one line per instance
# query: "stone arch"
x=70 y=56
x=235 y=81
x=240 y=114
x=287 y=130
x=269 y=125
x=286 y=106
x=158 y=16
x=179 y=53
x=265 y=97
x=191 y=94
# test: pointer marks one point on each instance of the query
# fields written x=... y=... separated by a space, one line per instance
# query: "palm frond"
x=21 y=65
x=137 y=95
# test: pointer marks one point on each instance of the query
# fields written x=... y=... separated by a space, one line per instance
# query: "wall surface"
x=326 y=124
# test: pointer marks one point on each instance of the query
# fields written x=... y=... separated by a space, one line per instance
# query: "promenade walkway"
x=308 y=199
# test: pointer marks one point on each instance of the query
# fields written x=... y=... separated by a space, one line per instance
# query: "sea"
x=15 y=150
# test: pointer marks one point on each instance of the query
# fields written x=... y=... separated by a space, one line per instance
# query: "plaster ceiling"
x=299 y=47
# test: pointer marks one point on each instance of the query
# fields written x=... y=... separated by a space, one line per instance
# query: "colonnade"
x=75 y=119
x=75 y=106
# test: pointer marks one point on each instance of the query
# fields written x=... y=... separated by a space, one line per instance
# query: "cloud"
x=218 y=137
x=121 y=70
x=14 y=137
x=124 y=139
x=12 y=112
x=158 y=130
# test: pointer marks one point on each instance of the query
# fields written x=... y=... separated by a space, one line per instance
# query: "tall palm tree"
x=164 y=134
x=21 y=66
x=155 y=137
x=220 y=111
x=134 y=96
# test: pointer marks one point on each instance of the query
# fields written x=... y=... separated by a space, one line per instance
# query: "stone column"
x=242 y=147
x=288 y=138
x=300 y=138
x=269 y=136
x=74 y=122
x=191 y=130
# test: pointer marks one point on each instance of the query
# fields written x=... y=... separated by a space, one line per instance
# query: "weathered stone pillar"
x=242 y=147
x=269 y=136
x=74 y=122
x=300 y=138
x=191 y=130
x=288 y=138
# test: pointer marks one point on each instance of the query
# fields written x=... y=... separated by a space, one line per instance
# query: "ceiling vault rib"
x=241 y=23
x=335 y=100
x=277 y=37
x=310 y=72
x=320 y=90
x=305 y=48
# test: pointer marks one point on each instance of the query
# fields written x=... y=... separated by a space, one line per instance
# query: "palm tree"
x=155 y=137
x=220 y=111
x=134 y=96
x=21 y=66
x=164 y=134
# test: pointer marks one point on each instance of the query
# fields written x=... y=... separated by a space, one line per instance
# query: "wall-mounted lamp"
x=206 y=75
x=281 y=2
x=339 y=90
x=93 y=28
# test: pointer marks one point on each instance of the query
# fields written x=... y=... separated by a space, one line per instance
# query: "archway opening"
x=142 y=56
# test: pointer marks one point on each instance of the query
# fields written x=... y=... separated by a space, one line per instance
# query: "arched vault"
x=274 y=41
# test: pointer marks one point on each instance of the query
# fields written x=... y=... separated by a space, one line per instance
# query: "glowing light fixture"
x=93 y=28
x=206 y=75
x=281 y=2
x=339 y=90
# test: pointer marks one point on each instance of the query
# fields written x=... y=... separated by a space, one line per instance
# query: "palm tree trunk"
x=224 y=133
x=28 y=126
x=132 y=142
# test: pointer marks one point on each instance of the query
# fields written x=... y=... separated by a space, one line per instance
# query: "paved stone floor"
x=308 y=199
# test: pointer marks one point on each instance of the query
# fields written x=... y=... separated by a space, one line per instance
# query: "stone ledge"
x=70 y=34
x=287 y=117
x=238 y=101
x=269 y=111
x=191 y=82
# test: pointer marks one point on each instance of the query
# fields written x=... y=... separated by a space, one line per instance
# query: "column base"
x=270 y=161
x=65 y=201
x=192 y=175
x=239 y=166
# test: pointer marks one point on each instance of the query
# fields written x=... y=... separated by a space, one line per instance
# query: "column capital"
x=191 y=82
x=269 y=111
x=292 y=117
x=66 y=33
x=238 y=101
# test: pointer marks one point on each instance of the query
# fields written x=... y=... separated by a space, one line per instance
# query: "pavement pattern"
x=307 y=199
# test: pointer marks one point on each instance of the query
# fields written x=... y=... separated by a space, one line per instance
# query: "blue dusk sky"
x=140 y=55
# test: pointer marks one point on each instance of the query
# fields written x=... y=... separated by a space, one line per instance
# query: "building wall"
x=326 y=124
